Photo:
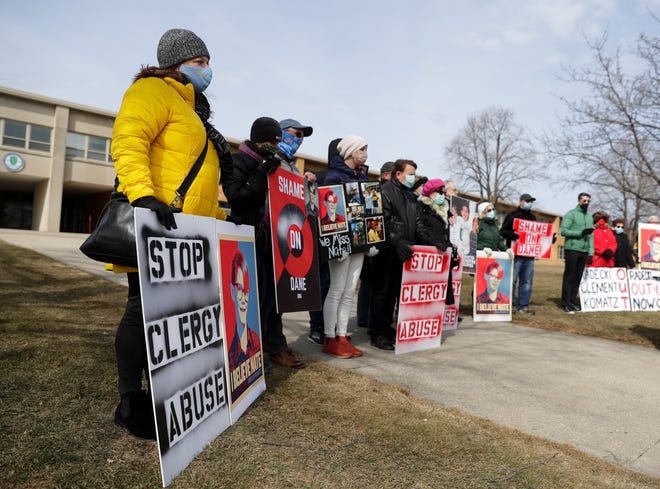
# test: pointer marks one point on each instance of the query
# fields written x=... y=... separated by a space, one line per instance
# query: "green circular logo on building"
x=13 y=162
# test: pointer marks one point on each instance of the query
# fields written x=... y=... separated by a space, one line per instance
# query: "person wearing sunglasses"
x=577 y=228
x=623 y=256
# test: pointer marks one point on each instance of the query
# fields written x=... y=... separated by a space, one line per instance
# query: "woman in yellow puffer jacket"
x=161 y=129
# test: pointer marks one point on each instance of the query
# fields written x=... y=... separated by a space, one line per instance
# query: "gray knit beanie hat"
x=178 y=45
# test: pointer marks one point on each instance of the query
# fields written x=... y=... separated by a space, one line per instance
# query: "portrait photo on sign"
x=375 y=233
x=372 y=198
x=353 y=194
x=492 y=287
x=241 y=315
x=355 y=212
x=649 y=246
x=311 y=198
x=332 y=217
x=358 y=236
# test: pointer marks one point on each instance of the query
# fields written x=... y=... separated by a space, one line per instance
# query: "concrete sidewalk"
x=602 y=397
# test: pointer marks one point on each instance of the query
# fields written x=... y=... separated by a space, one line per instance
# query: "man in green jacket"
x=577 y=228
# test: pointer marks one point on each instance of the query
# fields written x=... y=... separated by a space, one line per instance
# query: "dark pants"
x=130 y=346
x=316 y=317
x=574 y=263
x=385 y=290
x=271 y=321
x=364 y=294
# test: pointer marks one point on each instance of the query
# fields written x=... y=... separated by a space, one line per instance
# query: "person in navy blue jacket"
x=348 y=166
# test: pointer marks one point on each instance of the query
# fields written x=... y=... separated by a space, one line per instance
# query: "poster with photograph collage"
x=350 y=218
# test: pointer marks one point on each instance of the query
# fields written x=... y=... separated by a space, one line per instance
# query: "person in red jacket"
x=604 y=242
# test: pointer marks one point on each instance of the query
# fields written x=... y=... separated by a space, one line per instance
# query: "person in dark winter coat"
x=623 y=256
x=347 y=166
x=405 y=227
x=435 y=219
x=271 y=146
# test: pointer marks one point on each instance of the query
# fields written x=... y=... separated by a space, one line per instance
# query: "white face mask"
x=409 y=181
x=360 y=156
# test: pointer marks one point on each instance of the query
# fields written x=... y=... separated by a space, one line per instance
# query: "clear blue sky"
x=404 y=75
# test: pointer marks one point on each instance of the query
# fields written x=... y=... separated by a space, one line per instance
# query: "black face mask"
x=584 y=207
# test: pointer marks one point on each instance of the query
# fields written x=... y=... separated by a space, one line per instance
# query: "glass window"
x=75 y=144
x=14 y=134
x=96 y=148
x=39 y=138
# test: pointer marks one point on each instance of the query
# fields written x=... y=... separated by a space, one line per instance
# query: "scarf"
x=440 y=210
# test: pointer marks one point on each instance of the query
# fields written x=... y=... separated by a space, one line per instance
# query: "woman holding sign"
x=160 y=131
x=348 y=166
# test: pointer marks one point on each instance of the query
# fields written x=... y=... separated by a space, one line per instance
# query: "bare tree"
x=491 y=155
x=609 y=138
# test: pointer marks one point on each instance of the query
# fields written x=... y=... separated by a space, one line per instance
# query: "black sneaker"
x=568 y=310
x=576 y=308
x=316 y=337
x=382 y=343
x=527 y=310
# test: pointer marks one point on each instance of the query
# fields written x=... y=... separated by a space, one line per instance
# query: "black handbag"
x=113 y=239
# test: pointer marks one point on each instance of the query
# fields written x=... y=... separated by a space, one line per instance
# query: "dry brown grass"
x=319 y=427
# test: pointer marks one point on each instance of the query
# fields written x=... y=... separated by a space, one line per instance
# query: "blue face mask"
x=439 y=199
x=490 y=215
x=289 y=144
x=527 y=206
x=199 y=77
x=410 y=181
x=618 y=230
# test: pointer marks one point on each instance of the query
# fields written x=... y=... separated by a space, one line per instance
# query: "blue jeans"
x=523 y=276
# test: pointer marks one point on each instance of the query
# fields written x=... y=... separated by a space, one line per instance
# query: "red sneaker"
x=333 y=347
x=348 y=346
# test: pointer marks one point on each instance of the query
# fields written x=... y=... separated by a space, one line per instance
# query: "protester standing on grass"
x=161 y=129
x=348 y=166
x=623 y=256
x=272 y=145
x=577 y=228
x=605 y=242
x=523 y=266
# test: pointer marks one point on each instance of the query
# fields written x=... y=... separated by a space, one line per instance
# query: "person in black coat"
x=623 y=256
x=404 y=227
x=247 y=194
x=436 y=219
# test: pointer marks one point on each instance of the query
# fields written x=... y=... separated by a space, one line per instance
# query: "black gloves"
x=403 y=250
x=607 y=254
x=269 y=165
x=590 y=260
x=235 y=219
x=587 y=231
x=554 y=238
x=163 y=211
x=515 y=236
